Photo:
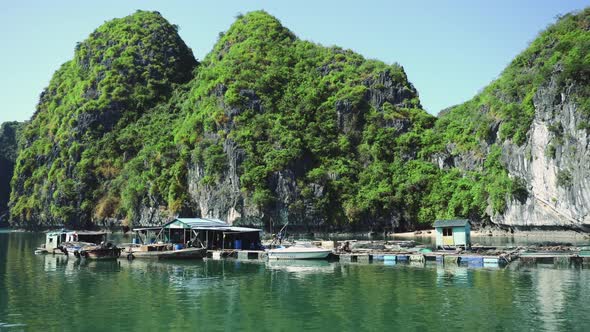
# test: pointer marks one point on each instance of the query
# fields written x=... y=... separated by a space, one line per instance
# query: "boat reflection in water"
x=301 y=267
x=54 y=263
x=71 y=265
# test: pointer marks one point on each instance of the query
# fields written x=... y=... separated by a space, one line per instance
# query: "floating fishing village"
x=204 y=238
x=290 y=166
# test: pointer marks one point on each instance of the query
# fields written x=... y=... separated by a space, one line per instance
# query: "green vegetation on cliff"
x=560 y=53
x=296 y=106
x=126 y=67
x=272 y=128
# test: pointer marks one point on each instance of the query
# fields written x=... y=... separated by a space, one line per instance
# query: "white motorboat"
x=299 y=252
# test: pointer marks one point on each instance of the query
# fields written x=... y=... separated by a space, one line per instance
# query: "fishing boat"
x=80 y=244
x=162 y=251
x=299 y=251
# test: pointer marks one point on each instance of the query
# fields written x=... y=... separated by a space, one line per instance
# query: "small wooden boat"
x=299 y=252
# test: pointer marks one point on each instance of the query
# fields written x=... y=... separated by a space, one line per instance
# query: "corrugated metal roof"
x=451 y=223
x=201 y=222
x=242 y=229
x=211 y=224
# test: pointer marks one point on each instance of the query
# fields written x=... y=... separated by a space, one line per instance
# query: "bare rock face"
x=555 y=164
x=224 y=198
x=385 y=88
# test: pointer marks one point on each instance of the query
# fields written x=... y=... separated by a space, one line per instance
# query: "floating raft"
x=248 y=255
x=443 y=258
x=471 y=259
x=356 y=258
x=556 y=258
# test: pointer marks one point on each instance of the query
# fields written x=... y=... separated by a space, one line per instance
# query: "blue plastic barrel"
x=135 y=240
x=238 y=244
x=177 y=246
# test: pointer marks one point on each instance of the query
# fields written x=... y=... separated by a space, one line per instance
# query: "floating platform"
x=238 y=254
x=555 y=258
x=355 y=258
x=470 y=259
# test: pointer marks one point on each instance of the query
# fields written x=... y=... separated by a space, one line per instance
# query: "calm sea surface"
x=52 y=293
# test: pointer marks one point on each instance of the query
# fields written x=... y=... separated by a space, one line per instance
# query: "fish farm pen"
x=475 y=257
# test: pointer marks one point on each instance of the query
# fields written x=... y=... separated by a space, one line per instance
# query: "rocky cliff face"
x=537 y=115
x=555 y=164
x=227 y=200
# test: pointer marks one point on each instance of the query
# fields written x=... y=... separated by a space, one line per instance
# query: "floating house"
x=213 y=234
x=453 y=233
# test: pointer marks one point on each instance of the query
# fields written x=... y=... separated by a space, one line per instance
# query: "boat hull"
x=101 y=253
x=284 y=254
x=189 y=253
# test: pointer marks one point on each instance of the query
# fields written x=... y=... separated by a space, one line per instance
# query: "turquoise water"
x=56 y=294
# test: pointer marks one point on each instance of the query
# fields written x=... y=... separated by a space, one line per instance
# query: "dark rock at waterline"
x=9 y=137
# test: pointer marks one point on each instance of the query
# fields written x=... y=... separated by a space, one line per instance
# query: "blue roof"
x=451 y=223
x=201 y=222
x=211 y=224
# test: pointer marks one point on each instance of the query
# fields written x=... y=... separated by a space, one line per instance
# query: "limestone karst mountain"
x=269 y=128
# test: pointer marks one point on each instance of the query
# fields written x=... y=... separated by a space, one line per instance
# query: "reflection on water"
x=301 y=268
x=451 y=275
x=59 y=293
x=551 y=295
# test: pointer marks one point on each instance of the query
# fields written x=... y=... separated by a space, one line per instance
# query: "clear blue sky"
x=450 y=49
